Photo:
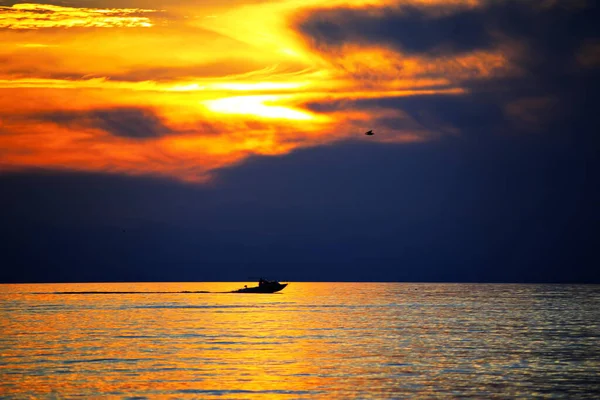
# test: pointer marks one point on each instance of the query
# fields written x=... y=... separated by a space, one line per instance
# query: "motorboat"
x=264 y=286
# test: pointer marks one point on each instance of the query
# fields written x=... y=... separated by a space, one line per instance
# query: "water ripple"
x=313 y=341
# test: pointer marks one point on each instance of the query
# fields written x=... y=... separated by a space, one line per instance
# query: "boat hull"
x=269 y=288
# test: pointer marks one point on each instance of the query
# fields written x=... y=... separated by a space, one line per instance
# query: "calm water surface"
x=313 y=340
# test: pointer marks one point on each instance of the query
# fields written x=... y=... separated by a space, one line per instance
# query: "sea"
x=310 y=341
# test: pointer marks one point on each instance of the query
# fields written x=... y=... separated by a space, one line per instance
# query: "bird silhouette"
x=369 y=133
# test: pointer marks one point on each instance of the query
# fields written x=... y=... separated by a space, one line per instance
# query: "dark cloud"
x=157 y=74
x=550 y=31
x=548 y=87
x=23 y=72
x=410 y=29
x=432 y=112
x=135 y=123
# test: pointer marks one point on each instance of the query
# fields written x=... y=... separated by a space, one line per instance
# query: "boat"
x=264 y=286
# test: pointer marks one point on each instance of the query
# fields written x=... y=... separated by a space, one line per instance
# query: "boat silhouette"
x=264 y=286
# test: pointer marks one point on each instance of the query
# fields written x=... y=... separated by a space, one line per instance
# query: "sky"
x=217 y=141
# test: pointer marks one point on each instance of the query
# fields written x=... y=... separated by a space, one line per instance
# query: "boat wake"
x=93 y=292
x=178 y=292
x=264 y=287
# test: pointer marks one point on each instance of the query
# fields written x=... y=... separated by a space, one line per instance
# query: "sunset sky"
x=198 y=140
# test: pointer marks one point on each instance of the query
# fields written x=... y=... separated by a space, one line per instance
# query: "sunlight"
x=255 y=106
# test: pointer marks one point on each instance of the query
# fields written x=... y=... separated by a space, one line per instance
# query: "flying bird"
x=369 y=133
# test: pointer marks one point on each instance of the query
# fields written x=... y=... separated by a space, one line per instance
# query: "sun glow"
x=256 y=107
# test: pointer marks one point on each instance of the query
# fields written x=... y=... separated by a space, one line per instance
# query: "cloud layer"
x=124 y=122
x=543 y=47
x=36 y=16
x=211 y=87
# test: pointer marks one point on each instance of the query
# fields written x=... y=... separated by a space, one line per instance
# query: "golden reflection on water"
x=323 y=340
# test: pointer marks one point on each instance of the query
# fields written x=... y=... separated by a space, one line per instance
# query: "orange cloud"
x=195 y=94
x=36 y=16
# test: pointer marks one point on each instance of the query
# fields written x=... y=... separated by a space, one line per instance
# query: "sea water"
x=312 y=340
